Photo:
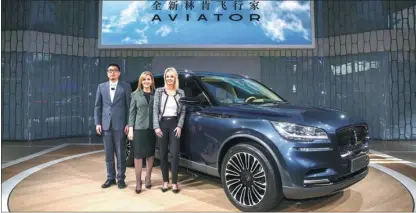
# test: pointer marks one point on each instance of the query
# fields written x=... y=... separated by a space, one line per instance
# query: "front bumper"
x=324 y=189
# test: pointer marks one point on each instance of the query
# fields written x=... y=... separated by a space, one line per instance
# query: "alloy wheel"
x=245 y=179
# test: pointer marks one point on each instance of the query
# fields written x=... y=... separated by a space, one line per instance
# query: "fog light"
x=314 y=149
x=319 y=181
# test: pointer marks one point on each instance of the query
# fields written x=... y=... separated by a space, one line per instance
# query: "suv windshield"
x=234 y=90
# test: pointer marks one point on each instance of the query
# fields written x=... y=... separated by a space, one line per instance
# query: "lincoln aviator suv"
x=263 y=148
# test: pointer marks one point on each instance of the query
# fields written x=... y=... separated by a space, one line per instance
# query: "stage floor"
x=70 y=178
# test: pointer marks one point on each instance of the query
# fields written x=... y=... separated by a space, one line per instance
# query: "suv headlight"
x=297 y=132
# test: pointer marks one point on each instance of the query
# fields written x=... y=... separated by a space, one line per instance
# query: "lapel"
x=107 y=91
x=177 y=96
x=151 y=98
x=118 y=92
x=144 y=98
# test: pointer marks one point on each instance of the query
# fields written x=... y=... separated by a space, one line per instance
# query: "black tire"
x=257 y=198
x=129 y=153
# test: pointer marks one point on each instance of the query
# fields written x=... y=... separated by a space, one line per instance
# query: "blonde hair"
x=173 y=70
x=141 y=78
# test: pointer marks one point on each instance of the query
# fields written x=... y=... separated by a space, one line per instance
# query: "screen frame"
x=206 y=46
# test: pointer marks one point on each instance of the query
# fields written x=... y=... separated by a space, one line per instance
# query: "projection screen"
x=202 y=24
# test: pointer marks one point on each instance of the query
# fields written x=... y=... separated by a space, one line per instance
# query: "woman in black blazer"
x=142 y=136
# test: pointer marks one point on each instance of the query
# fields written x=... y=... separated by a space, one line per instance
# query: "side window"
x=223 y=92
x=191 y=89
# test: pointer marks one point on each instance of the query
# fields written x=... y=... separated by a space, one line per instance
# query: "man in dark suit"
x=112 y=103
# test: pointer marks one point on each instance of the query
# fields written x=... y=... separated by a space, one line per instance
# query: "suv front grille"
x=351 y=139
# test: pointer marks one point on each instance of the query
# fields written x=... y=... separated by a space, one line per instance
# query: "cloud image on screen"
x=159 y=23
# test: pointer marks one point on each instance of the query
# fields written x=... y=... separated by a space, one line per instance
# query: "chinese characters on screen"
x=205 y=5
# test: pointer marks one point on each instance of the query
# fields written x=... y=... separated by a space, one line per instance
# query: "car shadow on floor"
x=189 y=179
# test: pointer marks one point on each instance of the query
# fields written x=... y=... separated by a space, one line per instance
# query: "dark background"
x=364 y=64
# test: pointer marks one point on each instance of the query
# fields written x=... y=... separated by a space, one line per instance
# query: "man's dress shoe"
x=121 y=184
x=108 y=183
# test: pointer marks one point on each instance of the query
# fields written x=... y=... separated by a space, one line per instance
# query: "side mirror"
x=190 y=101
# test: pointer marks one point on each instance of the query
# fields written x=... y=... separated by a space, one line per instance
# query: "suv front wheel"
x=249 y=179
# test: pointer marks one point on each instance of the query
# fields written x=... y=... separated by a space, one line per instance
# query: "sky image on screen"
x=141 y=23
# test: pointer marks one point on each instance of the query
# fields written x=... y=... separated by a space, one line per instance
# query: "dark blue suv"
x=263 y=148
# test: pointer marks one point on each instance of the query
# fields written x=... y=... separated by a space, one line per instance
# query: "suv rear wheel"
x=249 y=179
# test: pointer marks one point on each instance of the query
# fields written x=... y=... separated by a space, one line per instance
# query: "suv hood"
x=325 y=118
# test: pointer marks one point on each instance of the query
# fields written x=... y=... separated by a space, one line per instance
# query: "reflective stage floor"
x=69 y=179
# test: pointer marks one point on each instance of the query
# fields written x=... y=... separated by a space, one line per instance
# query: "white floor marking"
x=407 y=182
x=8 y=186
x=14 y=162
x=408 y=163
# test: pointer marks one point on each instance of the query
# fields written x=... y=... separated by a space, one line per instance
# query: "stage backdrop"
x=364 y=63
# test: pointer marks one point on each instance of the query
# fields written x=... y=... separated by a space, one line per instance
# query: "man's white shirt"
x=113 y=87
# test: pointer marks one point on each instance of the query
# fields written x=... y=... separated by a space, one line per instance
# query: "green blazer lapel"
x=143 y=98
x=141 y=95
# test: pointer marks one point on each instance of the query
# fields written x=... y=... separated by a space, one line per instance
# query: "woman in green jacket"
x=141 y=131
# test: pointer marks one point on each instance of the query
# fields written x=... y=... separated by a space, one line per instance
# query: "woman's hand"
x=178 y=131
x=130 y=134
x=159 y=132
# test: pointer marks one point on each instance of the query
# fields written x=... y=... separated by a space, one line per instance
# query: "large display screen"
x=206 y=24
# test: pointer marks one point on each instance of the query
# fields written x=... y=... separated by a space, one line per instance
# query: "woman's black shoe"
x=147 y=183
x=164 y=189
x=139 y=190
x=176 y=191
